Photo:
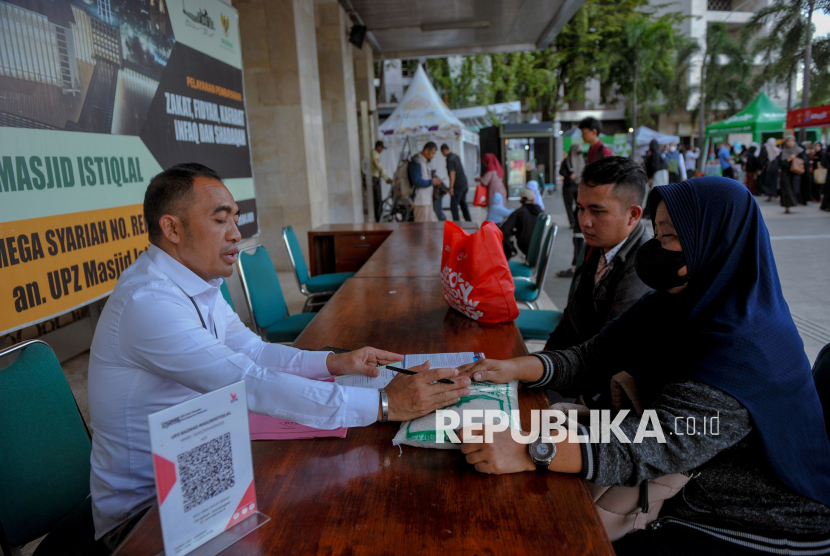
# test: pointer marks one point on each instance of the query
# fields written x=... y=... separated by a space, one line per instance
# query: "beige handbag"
x=820 y=174
x=627 y=509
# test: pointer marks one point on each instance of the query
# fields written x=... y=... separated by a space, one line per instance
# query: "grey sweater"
x=736 y=487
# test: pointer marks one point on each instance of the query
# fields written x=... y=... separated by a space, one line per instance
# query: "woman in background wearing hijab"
x=675 y=165
x=497 y=212
x=493 y=178
x=752 y=166
x=533 y=185
x=715 y=338
x=790 y=181
x=805 y=190
x=769 y=169
x=655 y=165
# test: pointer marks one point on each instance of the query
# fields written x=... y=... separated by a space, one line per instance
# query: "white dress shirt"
x=151 y=351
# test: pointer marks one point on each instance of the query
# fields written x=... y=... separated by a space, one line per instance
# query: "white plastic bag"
x=483 y=396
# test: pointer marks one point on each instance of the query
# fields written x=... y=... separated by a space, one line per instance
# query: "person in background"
x=378 y=173
x=675 y=164
x=493 y=178
x=752 y=167
x=805 y=193
x=458 y=184
x=790 y=181
x=166 y=336
x=716 y=339
x=591 y=129
x=656 y=165
x=770 y=166
x=533 y=185
x=520 y=223
x=819 y=158
x=420 y=176
x=571 y=172
x=497 y=212
x=610 y=206
x=691 y=157
x=726 y=161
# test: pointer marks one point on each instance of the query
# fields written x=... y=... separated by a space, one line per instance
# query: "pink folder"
x=264 y=427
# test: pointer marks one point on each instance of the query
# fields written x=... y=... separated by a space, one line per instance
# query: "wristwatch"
x=384 y=405
x=542 y=451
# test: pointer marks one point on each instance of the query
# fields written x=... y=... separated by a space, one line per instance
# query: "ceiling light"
x=453 y=25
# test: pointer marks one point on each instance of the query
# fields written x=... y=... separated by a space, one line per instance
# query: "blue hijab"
x=731 y=328
x=497 y=212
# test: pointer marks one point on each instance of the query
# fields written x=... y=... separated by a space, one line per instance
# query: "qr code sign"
x=205 y=471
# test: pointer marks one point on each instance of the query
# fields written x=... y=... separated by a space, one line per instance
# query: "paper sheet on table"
x=437 y=360
x=264 y=427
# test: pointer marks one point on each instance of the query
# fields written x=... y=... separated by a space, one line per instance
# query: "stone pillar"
x=364 y=82
x=337 y=92
x=285 y=118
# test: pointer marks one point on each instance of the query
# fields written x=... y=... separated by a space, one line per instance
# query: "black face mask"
x=657 y=267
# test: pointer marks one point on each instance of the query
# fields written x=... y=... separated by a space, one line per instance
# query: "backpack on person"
x=673 y=166
x=402 y=180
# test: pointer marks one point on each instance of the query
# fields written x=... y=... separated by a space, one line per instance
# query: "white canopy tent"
x=421 y=116
x=646 y=135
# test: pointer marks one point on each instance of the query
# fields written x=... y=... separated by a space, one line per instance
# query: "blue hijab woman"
x=497 y=211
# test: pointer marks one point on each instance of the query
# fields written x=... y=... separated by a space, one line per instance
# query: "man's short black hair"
x=430 y=146
x=591 y=123
x=628 y=177
x=378 y=144
x=169 y=192
x=444 y=147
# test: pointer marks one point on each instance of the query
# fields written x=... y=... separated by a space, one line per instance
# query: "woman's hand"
x=527 y=369
x=573 y=176
x=504 y=455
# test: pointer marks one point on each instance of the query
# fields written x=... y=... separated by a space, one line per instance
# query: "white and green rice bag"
x=483 y=396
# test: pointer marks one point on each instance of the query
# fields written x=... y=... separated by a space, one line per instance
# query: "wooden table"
x=361 y=495
x=346 y=247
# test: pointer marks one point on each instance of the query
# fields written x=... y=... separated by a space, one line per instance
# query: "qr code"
x=205 y=471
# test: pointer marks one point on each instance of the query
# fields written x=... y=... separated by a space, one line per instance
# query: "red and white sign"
x=815 y=116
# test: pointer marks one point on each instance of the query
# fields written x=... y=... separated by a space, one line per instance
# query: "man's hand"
x=364 y=361
x=527 y=369
x=411 y=396
x=389 y=181
x=504 y=455
x=573 y=176
x=436 y=181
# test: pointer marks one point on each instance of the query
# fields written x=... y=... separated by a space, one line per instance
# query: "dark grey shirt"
x=454 y=164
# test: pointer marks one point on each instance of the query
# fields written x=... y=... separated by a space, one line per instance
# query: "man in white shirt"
x=166 y=335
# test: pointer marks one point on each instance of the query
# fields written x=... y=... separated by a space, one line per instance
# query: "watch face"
x=542 y=452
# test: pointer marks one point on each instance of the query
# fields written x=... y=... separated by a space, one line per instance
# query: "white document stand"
x=222 y=541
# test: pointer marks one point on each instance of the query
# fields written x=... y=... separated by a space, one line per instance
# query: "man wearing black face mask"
x=609 y=207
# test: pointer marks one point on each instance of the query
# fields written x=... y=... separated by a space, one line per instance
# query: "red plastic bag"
x=476 y=277
x=481 y=196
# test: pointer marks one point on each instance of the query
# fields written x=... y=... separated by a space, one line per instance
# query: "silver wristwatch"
x=384 y=405
x=542 y=451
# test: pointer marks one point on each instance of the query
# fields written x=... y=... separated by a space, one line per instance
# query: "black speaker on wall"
x=357 y=35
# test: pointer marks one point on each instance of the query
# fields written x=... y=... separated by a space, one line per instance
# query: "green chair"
x=527 y=290
x=821 y=376
x=226 y=294
x=539 y=324
x=314 y=287
x=527 y=268
x=44 y=469
x=264 y=296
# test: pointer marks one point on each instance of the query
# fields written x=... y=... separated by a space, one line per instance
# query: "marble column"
x=285 y=118
x=337 y=92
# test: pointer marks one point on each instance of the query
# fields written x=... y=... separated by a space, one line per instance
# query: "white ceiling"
x=416 y=28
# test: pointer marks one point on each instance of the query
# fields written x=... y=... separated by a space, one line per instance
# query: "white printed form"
x=436 y=361
x=204 y=475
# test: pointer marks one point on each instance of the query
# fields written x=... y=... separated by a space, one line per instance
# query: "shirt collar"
x=179 y=274
x=609 y=256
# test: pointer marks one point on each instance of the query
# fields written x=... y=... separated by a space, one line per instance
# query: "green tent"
x=762 y=116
